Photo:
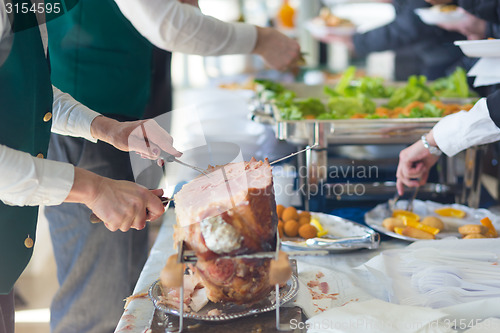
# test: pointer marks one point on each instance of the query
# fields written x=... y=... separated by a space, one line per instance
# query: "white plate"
x=480 y=48
x=353 y=236
x=320 y=30
x=374 y=217
x=432 y=16
x=229 y=310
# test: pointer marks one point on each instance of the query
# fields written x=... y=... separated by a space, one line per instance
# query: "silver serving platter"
x=343 y=236
x=229 y=310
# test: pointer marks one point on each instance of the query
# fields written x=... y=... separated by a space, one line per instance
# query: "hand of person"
x=278 y=51
x=191 y=2
x=414 y=165
x=439 y=2
x=120 y=204
x=470 y=26
x=145 y=137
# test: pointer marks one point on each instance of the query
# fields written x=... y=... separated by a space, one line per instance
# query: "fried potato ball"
x=290 y=213
x=307 y=231
x=279 y=210
x=304 y=220
x=281 y=227
x=291 y=228
x=304 y=214
x=393 y=222
x=433 y=221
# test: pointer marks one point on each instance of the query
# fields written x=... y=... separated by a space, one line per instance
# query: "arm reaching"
x=181 y=27
x=452 y=134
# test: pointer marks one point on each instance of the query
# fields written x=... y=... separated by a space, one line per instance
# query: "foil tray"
x=343 y=236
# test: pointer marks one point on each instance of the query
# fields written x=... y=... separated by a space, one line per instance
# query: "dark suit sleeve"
x=493 y=103
x=406 y=29
x=488 y=10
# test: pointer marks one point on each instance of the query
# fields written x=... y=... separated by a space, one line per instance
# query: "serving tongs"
x=409 y=206
x=369 y=241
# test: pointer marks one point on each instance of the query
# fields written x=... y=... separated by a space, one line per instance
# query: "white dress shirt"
x=179 y=27
x=465 y=129
x=25 y=179
x=168 y=24
x=31 y=181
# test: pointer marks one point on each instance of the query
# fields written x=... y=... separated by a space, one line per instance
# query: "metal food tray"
x=348 y=131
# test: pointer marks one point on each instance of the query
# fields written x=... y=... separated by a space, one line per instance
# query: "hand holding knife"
x=95 y=219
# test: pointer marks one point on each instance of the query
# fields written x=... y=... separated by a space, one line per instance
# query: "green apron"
x=25 y=99
x=101 y=45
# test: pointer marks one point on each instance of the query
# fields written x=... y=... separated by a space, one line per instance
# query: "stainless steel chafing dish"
x=352 y=131
x=325 y=133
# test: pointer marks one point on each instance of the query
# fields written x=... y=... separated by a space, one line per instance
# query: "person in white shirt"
x=30 y=109
x=174 y=26
x=451 y=135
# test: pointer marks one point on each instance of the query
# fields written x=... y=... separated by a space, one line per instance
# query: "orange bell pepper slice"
x=491 y=229
x=420 y=226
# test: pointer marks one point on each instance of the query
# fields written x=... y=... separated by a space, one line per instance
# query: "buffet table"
x=138 y=316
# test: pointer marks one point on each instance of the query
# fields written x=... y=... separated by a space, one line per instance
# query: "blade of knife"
x=190 y=257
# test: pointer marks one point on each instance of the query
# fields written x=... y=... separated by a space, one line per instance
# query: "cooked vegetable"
x=428 y=110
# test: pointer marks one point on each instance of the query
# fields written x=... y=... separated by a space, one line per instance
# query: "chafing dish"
x=325 y=133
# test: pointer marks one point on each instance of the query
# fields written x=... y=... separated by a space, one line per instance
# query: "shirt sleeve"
x=463 y=130
x=31 y=181
x=71 y=117
x=179 y=27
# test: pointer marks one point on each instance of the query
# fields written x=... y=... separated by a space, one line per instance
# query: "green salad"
x=356 y=97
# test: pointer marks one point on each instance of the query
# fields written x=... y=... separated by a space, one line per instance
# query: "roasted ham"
x=233 y=211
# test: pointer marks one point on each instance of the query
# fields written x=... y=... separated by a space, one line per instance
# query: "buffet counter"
x=139 y=314
x=355 y=280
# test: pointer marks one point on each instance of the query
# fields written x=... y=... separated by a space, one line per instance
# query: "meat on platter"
x=230 y=212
